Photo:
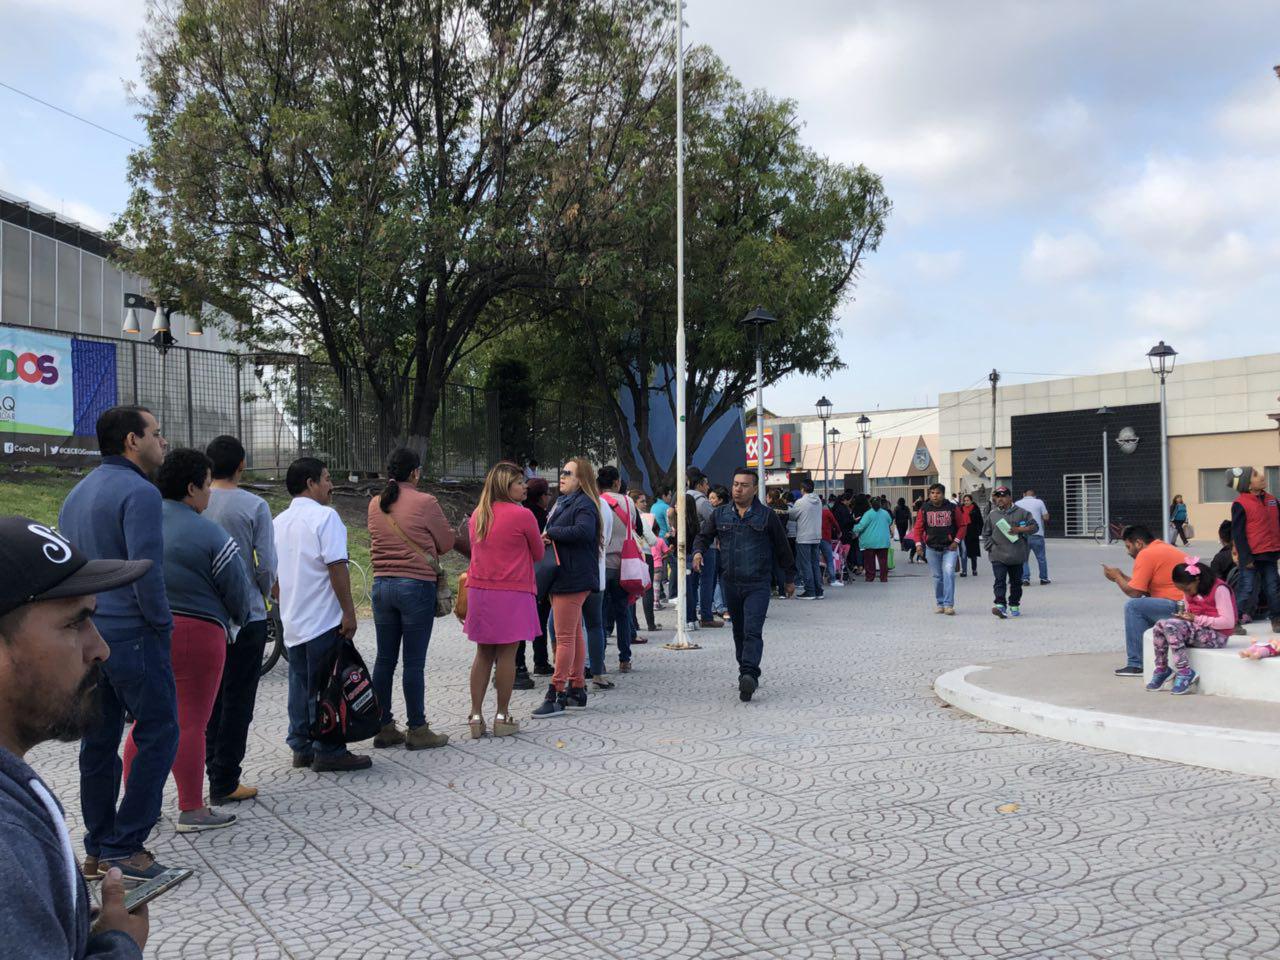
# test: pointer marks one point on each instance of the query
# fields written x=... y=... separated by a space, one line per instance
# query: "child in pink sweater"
x=1208 y=620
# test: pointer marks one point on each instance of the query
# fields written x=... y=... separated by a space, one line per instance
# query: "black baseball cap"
x=1002 y=492
x=38 y=563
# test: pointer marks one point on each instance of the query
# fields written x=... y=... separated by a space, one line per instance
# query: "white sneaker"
x=805 y=596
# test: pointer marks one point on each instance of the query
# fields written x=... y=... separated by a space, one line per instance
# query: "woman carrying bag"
x=502 y=606
x=407 y=534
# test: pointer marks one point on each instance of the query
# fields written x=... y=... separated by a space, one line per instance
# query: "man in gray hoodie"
x=50 y=658
x=808 y=516
x=1005 y=538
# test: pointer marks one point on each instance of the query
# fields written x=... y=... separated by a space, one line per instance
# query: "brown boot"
x=340 y=762
x=389 y=736
x=421 y=738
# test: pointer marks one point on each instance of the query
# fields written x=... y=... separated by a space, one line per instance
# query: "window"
x=1214 y=489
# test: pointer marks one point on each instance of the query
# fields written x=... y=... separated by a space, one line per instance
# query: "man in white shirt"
x=315 y=606
x=1040 y=513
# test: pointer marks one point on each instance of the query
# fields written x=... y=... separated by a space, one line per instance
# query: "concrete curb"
x=1218 y=748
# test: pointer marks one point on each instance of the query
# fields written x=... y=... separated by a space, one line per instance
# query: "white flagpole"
x=682 y=452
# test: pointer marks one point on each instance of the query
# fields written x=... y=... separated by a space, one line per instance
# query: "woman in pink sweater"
x=1207 y=620
x=502 y=606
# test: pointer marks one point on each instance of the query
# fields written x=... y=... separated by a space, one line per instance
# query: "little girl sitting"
x=1208 y=621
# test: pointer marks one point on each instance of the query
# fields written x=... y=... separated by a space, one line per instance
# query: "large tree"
x=362 y=178
x=768 y=221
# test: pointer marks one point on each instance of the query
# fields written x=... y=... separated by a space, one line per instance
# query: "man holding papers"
x=1005 y=538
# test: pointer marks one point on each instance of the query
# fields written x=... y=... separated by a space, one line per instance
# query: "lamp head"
x=758 y=318
x=1161 y=357
x=824 y=407
x=864 y=424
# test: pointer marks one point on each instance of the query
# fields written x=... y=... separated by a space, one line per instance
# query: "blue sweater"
x=872 y=530
x=44 y=903
x=114 y=514
x=203 y=571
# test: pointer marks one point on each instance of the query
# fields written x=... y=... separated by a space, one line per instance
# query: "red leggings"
x=199 y=650
x=571 y=648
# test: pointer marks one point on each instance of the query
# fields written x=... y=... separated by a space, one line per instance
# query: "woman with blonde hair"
x=575 y=532
x=502 y=607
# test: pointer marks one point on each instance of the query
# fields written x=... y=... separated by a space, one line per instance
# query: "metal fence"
x=283 y=406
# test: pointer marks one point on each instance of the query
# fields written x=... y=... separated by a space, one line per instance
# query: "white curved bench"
x=1223 y=673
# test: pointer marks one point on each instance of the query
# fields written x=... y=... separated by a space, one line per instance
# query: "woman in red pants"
x=208 y=589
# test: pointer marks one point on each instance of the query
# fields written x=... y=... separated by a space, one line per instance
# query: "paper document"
x=1004 y=527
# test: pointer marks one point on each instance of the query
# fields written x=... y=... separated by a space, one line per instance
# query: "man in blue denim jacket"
x=751 y=538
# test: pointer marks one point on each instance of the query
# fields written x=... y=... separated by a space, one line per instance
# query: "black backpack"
x=346 y=707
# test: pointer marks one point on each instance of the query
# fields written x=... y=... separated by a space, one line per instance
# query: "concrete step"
x=1076 y=698
x=1224 y=674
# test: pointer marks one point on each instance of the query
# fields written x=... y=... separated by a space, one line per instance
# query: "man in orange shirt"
x=1154 y=597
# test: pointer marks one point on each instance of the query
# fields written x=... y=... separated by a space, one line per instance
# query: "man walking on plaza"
x=807 y=513
x=1151 y=589
x=705 y=575
x=752 y=538
x=114 y=513
x=1255 y=532
x=247 y=518
x=52 y=672
x=940 y=529
x=315 y=606
x=1040 y=514
x=1006 y=536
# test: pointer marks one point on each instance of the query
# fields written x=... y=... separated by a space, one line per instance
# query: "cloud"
x=1251 y=116
x=1071 y=256
x=942 y=265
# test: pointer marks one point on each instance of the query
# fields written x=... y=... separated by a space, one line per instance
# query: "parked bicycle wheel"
x=274 y=649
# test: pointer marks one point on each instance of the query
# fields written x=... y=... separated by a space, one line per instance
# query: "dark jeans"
x=692 y=583
x=1263 y=573
x=873 y=558
x=1011 y=573
x=227 y=731
x=593 y=624
x=707 y=583
x=308 y=664
x=539 y=643
x=807 y=563
x=748 y=604
x=617 y=614
x=137 y=678
x=403 y=609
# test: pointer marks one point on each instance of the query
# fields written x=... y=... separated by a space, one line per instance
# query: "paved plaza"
x=844 y=813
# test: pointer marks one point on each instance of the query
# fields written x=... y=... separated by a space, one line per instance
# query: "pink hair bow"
x=1193 y=566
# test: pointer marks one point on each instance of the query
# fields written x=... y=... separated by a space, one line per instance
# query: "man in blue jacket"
x=114 y=513
x=751 y=539
x=51 y=670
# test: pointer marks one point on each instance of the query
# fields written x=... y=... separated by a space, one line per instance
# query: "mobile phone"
x=148 y=890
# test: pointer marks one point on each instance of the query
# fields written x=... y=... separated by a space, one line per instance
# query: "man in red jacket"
x=1255 y=531
x=940 y=529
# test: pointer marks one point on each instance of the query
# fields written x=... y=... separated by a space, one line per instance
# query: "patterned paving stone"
x=844 y=813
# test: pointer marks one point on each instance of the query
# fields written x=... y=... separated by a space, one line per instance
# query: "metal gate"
x=1082 y=503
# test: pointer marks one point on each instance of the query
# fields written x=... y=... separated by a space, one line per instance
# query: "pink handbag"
x=633 y=573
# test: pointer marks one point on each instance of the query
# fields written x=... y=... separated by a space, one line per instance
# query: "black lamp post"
x=759 y=319
x=864 y=431
x=824 y=411
x=1162 y=357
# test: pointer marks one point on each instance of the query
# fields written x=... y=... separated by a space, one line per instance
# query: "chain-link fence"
x=283 y=406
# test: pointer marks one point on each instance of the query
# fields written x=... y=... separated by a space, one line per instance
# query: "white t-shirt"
x=309 y=537
x=1037 y=508
x=606 y=516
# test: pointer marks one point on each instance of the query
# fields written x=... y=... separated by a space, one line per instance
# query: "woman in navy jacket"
x=574 y=533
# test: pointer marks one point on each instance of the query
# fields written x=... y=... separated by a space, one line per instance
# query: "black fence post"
x=191 y=410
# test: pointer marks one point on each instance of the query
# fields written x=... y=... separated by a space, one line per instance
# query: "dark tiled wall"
x=1048 y=445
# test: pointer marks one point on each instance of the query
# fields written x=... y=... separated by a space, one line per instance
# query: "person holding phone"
x=51 y=656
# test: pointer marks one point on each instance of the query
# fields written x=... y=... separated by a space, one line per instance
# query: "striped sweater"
x=204 y=574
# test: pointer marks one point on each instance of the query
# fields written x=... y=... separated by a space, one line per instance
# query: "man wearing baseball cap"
x=50 y=653
x=1005 y=538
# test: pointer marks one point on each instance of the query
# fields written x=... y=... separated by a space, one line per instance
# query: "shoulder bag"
x=444 y=597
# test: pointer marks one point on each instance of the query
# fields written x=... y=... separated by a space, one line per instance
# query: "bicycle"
x=1114 y=531
x=275 y=648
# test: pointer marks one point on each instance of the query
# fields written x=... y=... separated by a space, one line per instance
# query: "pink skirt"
x=500 y=616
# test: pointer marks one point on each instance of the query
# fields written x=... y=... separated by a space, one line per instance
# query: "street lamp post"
x=759 y=318
x=835 y=453
x=824 y=411
x=1104 y=412
x=864 y=431
x=1162 y=357
x=161 y=335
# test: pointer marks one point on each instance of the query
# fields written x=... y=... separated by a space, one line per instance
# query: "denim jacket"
x=749 y=544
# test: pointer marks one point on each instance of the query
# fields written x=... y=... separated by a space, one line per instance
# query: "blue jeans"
x=593 y=630
x=707 y=583
x=1037 y=547
x=943 y=564
x=308 y=663
x=403 y=609
x=748 y=604
x=617 y=611
x=830 y=556
x=1140 y=615
x=1263 y=572
x=692 y=584
x=137 y=678
x=227 y=732
x=807 y=568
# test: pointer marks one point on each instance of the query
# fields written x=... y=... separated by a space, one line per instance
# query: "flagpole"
x=681 y=641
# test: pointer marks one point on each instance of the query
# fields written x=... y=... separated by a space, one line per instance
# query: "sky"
x=1071 y=181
